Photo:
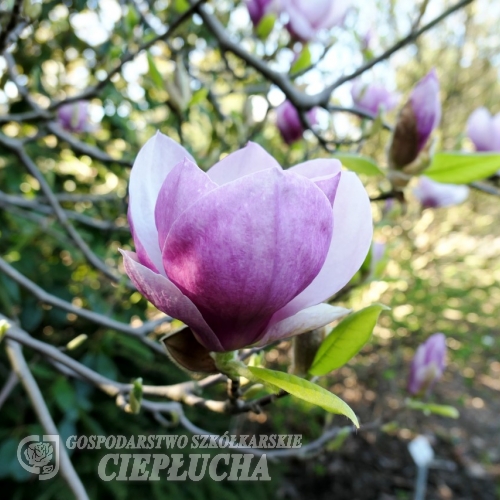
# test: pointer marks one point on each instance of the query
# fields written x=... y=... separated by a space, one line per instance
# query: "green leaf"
x=132 y=19
x=198 y=96
x=462 y=168
x=346 y=339
x=305 y=390
x=359 y=164
x=443 y=410
x=154 y=73
x=64 y=394
x=302 y=62
x=339 y=440
x=265 y=26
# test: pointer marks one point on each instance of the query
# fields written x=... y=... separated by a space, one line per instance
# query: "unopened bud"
x=135 y=398
x=76 y=342
x=289 y=123
x=428 y=364
x=410 y=148
x=179 y=88
x=4 y=326
x=75 y=117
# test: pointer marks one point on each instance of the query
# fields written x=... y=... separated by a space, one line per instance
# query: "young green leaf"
x=346 y=339
x=135 y=398
x=462 y=168
x=302 y=62
x=154 y=73
x=359 y=164
x=265 y=26
x=305 y=390
x=443 y=410
x=181 y=6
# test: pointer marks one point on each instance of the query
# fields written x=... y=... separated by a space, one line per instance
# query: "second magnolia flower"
x=247 y=252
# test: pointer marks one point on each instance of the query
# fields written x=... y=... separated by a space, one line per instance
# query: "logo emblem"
x=40 y=455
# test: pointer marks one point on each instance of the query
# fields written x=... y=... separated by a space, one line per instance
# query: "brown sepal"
x=404 y=146
x=185 y=351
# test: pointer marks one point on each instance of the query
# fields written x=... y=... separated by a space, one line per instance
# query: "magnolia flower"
x=433 y=194
x=247 y=252
x=74 y=117
x=289 y=124
x=416 y=122
x=373 y=97
x=258 y=9
x=428 y=364
x=308 y=17
x=484 y=130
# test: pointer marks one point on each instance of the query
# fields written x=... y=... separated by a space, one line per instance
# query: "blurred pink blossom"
x=373 y=97
x=433 y=194
x=308 y=17
x=289 y=124
x=74 y=117
x=483 y=130
x=428 y=364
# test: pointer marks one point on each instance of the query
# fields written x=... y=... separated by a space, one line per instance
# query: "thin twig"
x=60 y=214
x=14 y=18
x=299 y=99
x=182 y=392
x=22 y=370
x=92 y=91
x=411 y=37
x=97 y=318
x=8 y=387
x=19 y=201
x=84 y=148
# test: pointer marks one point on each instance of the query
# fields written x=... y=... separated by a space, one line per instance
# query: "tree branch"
x=100 y=319
x=22 y=370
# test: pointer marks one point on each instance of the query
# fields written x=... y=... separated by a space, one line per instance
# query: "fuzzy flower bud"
x=289 y=124
x=74 y=117
x=416 y=122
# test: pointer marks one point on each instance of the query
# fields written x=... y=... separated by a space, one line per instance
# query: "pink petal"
x=244 y=250
x=352 y=235
x=166 y=297
x=481 y=131
x=139 y=247
x=329 y=186
x=248 y=160
x=155 y=160
x=313 y=169
x=321 y=172
x=336 y=14
x=303 y=321
x=313 y=10
x=183 y=186
x=300 y=27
